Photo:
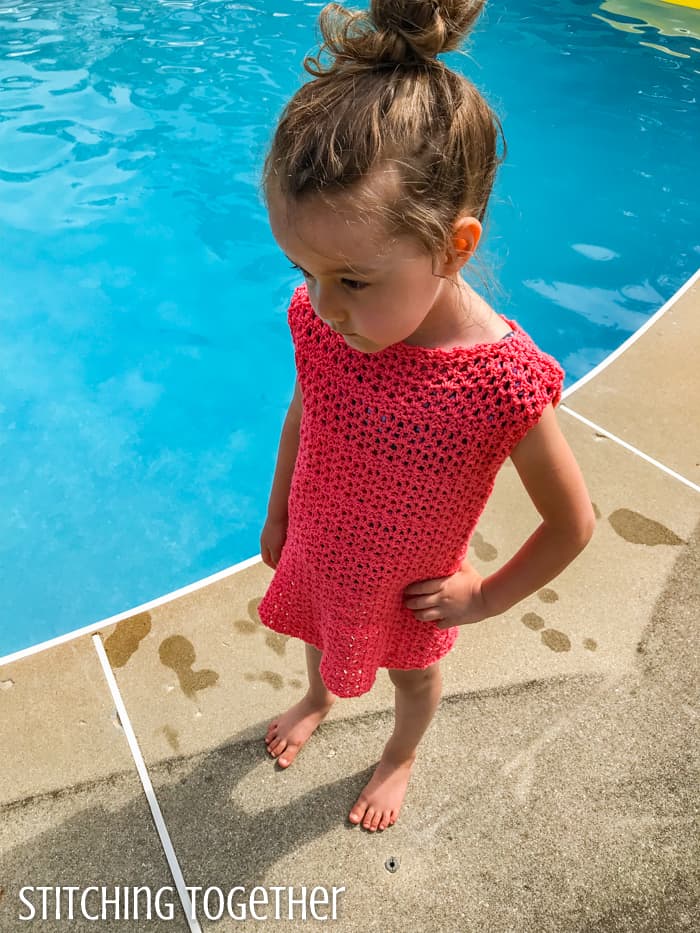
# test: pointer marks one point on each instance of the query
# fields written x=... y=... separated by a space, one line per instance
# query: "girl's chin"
x=353 y=339
x=361 y=343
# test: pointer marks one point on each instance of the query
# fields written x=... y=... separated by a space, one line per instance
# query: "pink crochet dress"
x=398 y=454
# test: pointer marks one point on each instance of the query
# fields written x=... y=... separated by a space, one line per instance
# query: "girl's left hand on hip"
x=448 y=601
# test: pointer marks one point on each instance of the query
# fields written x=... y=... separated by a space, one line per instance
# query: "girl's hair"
x=386 y=100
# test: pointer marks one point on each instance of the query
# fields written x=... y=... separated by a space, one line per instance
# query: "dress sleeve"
x=530 y=381
x=300 y=319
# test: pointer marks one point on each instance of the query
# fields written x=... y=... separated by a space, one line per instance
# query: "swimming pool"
x=145 y=361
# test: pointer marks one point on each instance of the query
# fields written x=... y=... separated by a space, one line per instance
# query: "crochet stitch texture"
x=398 y=454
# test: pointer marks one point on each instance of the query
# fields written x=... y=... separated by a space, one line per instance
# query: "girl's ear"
x=466 y=234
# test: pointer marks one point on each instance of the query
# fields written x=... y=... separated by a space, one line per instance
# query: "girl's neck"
x=459 y=318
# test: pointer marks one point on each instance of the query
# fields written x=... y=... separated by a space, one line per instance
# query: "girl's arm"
x=286 y=459
x=553 y=480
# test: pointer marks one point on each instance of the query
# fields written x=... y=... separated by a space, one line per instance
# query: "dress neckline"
x=410 y=347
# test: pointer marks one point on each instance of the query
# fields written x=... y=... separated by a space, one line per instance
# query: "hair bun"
x=422 y=29
x=393 y=32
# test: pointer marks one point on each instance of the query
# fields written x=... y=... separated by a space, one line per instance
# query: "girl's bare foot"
x=379 y=803
x=289 y=731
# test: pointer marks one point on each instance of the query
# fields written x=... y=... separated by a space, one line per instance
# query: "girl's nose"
x=327 y=307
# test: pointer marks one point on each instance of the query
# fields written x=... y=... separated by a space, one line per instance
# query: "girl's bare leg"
x=288 y=732
x=417 y=697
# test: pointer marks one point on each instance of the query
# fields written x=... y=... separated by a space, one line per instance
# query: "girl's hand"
x=272 y=539
x=448 y=601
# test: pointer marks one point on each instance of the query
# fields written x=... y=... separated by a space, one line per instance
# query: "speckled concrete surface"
x=555 y=791
x=650 y=397
x=59 y=722
x=72 y=809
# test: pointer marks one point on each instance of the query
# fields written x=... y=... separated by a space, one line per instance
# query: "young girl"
x=411 y=391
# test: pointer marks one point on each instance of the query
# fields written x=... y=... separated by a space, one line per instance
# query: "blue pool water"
x=145 y=362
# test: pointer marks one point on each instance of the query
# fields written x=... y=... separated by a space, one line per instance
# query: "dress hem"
x=441 y=652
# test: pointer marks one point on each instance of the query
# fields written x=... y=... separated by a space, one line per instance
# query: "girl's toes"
x=357 y=812
x=290 y=753
x=376 y=820
x=369 y=816
x=276 y=747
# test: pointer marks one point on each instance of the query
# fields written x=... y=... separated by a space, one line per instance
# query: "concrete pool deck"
x=557 y=789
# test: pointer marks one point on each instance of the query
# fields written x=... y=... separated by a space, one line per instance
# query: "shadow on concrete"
x=567 y=805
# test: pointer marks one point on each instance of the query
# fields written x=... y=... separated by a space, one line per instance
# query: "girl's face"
x=373 y=291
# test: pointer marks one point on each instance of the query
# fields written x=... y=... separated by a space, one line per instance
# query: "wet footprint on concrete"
x=172 y=737
x=555 y=640
x=638 y=529
x=252 y=624
x=178 y=653
x=268 y=677
x=126 y=638
x=253 y=609
x=274 y=640
x=277 y=642
x=275 y=680
x=533 y=621
x=482 y=548
x=551 y=637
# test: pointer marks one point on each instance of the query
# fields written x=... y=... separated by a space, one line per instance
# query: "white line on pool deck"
x=634 y=450
x=633 y=338
x=147 y=787
x=193 y=587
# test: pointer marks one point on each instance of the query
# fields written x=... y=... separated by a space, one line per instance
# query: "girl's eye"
x=352 y=284
x=303 y=271
x=355 y=286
